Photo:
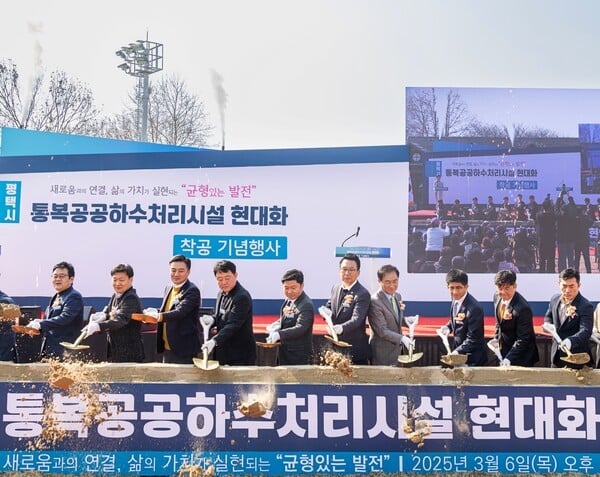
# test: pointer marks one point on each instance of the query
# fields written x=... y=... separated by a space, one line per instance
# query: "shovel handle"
x=495 y=350
x=80 y=338
x=445 y=341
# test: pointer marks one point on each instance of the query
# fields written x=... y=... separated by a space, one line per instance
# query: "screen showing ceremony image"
x=503 y=179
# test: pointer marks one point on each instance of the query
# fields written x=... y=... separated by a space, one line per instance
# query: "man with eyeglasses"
x=349 y=305
x=63 y=319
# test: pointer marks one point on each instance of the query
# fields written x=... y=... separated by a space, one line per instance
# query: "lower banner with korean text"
x=156 y=428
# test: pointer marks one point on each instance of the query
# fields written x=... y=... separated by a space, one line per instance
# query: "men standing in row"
x=385 y=318
x=234 y=342
x=295 y=324
x=124 y=334
x=514 y=336
x=572 y=316
x=349 y=305
x=64 y=316
x=178 y=334
x=466 y=320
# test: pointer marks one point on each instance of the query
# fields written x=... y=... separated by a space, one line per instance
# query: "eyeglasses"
x=348 y=270
x=60 y=276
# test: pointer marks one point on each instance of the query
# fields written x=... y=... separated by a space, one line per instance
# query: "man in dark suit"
x=295 y=324
x=514 y=335
x=466 y=320
x=349 y=305
x=63 y=319
x=124 y=334
x=572 y=315
x=178 y=334
x=386 y=313
x=234 y=342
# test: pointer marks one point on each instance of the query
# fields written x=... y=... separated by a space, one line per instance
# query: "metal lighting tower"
x=142 y=58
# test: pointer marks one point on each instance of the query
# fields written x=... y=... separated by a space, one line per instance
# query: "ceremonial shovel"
x=411 y=321
x=573 y=358
x=206 y=321
x=76 y=346
x=326 y=314
x=450 y=359
x=493 y=345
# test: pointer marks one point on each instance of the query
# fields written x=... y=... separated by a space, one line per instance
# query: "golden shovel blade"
x=208 y=365
x=405 y=358
x=576 y=358
x=342 y=344
x=73 y=347
x=143 y=318
x=267 y=345
x=454 y=359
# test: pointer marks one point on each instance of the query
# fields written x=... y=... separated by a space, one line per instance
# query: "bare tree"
x=61 y=105
x=175 y=116
x=457 y=117
x=421 y=114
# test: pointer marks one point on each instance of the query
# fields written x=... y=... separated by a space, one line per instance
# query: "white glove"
x=97 y=317
x=595 y=338
x=505 y=362
x=153 y=312
x=275 y=326
x=339 y=329
x=567 y=343
x=35 y=324
x=444 y=330
x=273 y=337
x=406 y=341
x=209 y=345
x=91 y=328
x=454 y=352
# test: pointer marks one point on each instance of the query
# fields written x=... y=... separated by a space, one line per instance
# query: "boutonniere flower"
x=57 y=302
x=177 y=298
x=570 y=311
x=348 y=299
x=289 y=310
x=460 y=316
x=507 y=314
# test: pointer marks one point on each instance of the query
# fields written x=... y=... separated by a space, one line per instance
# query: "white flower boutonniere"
x=570 y=311
x=460 y=317
x=348 y=299
x=507 y=314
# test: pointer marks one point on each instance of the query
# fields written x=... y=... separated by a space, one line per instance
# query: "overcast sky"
x=312 y=73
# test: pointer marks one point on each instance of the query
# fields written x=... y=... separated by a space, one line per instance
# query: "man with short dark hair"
x=295 y=324
x=234 y=342
x=571 y=314
x=514 y=336
x=63 y=319
x=349 y=305
x=466 y=320
x=124 y=334
x=178 y=334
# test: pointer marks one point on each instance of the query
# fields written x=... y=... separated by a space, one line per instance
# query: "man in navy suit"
x=178 y=334
x=572 y=315
x=466 y=320
x=514 y=335
x=295 y=325
x=63 y=319
x=234 y=342
x=349 y=305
